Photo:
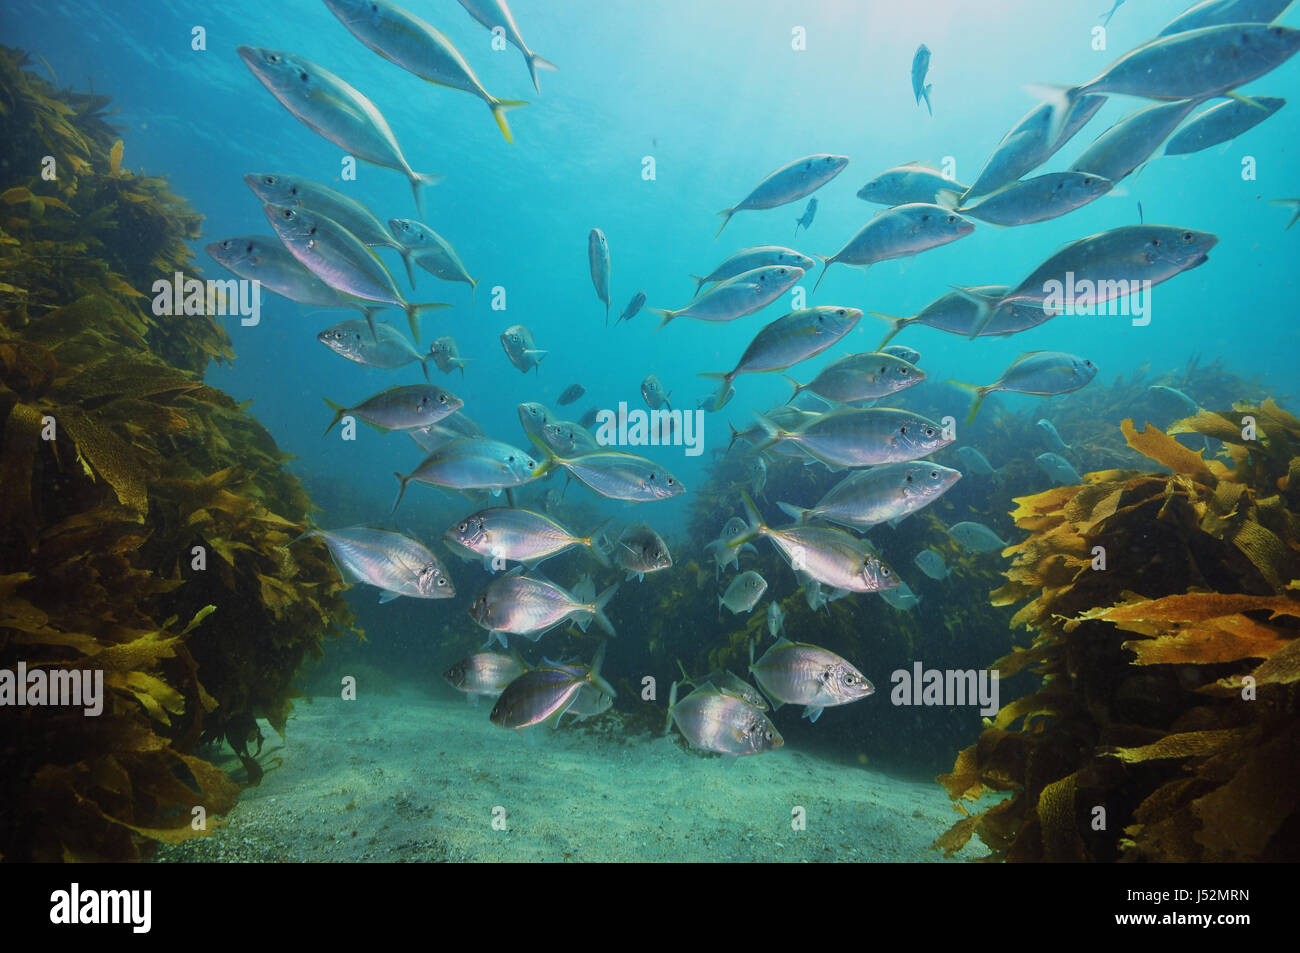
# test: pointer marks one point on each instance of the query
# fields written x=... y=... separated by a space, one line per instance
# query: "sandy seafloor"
x=413 y=777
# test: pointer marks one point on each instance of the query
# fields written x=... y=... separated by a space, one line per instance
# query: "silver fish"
x=792 y=338
x=1051 y=437
x=1131 y=141
x=1219 y=12
x=641 y=550
x=471 y=463
x=387 y=348
x=798 y=673
x=446 y=354
x=866 y=376
x=775 y=619
x=333 y=109
x=565 y=438
x=1027 y=145
x=485 y=673
x=524 y=605
x=543 y=695
x=342 y=261
x=1042 y=373
x=1040 y=198
x=422 y=245
x=957 y=311
x=903 y=353
x=976 y=462
x=758 y=475
x=977 y=537
x=729 y=684
x=571 y=393
x=899 y=232
x=921 y=66
x=805 y=221
x=279 y=189
x=653 y=393
x=859 y=438
x=831 y=556
x=911 y=183
x=718 y=399
x=444 y=432
x=902 y=598
x=493 y=14
x=1187 y=405
x=712 y=720
x=396 y=564
x=264 y=258
x=533 y=416
x=633 y=307
x=1059 y=469
x=408 y=407
x=724 y=553
x=870 y=497
x=404 y=39
x=736 y=297
x=1222 y=123
x=931 y=563
x=517 y=342
x=1196 y=64
x=518 y=535
x=789 y=183
x=622 y=476
x=598 y=259
x=744 y=592
x=747 y=259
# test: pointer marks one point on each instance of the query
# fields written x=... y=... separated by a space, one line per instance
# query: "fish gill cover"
x=144 y=513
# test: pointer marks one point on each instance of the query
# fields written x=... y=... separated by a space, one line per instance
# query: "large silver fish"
x=729 y=684
x=911 y=183
x=408 y=407
x=543 y=695
x=899 y=232
x=446 y=354
x=444 y=432
x=421 y=244
x=264 y=258
x=1040 y=198
x=518 y=535
x=830 y=556
x=870 y=497
x=792 y=338
x=712 y=720
x=653 y=393
x=1196 y=64
x=798 y=673
x=484 y=673
x=1219 y=12
x=744 y=592
x=598 y=259
x=1027 y=145
x=859 y=438
x=1131 y=141
x=747 y=259
x=622 y=476
x=342 y=261
x=736 y=297
x=641 y=550
x=396 y=564
x=494 y=14
x=977 y=537
x=279 y=189
x=1222 y=123
x=1042 y=373
x=333 y=109
x=403 y=38
x=517 y=342
x=789 y=183
x=867 y=376
x=530 y=606
x=724 y=553
x=1059 y=469
x=957 y=311
x=473 y=463
x=387 y=348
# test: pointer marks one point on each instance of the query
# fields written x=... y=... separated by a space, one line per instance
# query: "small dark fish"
x=805 y=221
x=921 y=66
x=588 y=420
x=1118 y=4
x=571 y=393
x=634 y=306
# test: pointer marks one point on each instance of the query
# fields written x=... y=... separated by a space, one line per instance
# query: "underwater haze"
x=655 y=117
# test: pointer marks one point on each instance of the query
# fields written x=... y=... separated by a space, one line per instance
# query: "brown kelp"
x=1165 y=615
x=144 y=513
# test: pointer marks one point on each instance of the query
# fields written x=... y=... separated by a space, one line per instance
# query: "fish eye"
x=442 y=398
x=1155 y=242
x=929 y=431
x=462 y=527
x=934 y=474
x=884 y=571
x=670 y=481
x=901 y=370
x=925 y=217
x=850 y=679
x=908 y=478
x=272 y=58
x=767 y=735
x=841 y=312
x=268 y=180
x=952 y=219
x=303 y=76
x=441 y=581
x=1187 y=236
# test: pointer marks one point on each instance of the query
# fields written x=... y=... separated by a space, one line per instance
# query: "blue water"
x=717 y=96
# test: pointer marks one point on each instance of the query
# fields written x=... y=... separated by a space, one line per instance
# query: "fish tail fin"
x=1293 y=204
x=949 y=199
x=756 y=525
x=795 y=512
x=1061 y=99
x=735 y=435
x=665 y=316
x=499 y=107
x=798 y=388
x=896 y=324
x=979 y=393
x=985 y=309
x=339 y=411
x=726 y=213
x=592 y=543
x=413 y=312
x=593 y=673
x=419 y=182
x=473 y=292
x=406 y=260
x=401 y=492
x=699 y=283
x=672 y=703
x=774 y=433
x=536 y=62
x=925 y=93
x=424 y=365
x=597 y=609
x=826 y=264
x=370 y=319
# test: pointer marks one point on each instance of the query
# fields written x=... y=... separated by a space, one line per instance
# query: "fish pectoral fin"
x=389 y=596
x=812 y=713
